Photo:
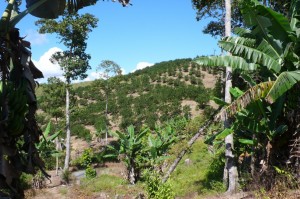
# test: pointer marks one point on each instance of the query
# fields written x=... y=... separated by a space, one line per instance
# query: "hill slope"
x=145 y=97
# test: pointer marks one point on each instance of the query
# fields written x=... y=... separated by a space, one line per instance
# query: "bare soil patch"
x=209 y=80
x=193 y=105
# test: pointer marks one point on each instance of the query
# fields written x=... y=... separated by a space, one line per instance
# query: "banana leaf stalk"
x=4 y=22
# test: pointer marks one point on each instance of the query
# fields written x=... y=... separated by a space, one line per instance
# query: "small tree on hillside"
x=110 y=69
x=53 y=100
x=72 y=30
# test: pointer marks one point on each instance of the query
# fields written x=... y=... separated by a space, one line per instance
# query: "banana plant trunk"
x=253 y=158
x=132 y=173
x=56 y=158
x=57 y=148
x=230 y=170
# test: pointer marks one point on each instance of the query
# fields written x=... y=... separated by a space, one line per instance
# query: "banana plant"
x=44 y=146
x=130 y=151
x=159 y=143
x=271 y=48
x=19 y=128
x=272 y=44
x=253 y=127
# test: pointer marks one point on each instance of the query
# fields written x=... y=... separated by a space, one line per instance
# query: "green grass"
x=63 y=191
x=203 y=176
x=109 y=184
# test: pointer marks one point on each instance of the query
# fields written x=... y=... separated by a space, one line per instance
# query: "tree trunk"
x=106 y=113
x=231 y=174
x=230 y=165
x=68 y=132
x=183 y=152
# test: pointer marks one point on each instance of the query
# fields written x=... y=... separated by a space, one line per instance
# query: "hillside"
x=152 y=95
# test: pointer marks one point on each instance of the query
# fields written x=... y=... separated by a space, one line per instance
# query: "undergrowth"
x=109 y=184
x=202 y=175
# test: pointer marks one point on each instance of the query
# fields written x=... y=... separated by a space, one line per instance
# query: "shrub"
x=193 y=80
x=186 y=78
x=26 y=181
x=100 y=124
x=155 y=188
x=38 y=180
x=81 y=132
x=66 y=176
x=90 y=172
x=85 y=159
x=193 y=125
x=83 y=102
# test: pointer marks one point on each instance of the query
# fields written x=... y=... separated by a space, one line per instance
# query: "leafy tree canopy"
x=215 y=9
x=72 y=30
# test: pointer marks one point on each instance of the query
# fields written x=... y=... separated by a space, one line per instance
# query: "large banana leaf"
x=283 y=83
x=280 y=26
x=72 y=6
x=226 y=61
x=253 y=94
x=75 y=5
x=259 y=24
x=247 y=78
x=242 y=32
x=252 y=19
x=264 y=54
x=245 y=41
x=295 y=15
x=271 y=91
x=266 y=48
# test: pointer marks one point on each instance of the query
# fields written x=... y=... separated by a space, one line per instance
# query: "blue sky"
x=149 y=31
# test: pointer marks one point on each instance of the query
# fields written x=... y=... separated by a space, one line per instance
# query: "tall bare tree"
x=230 y=170
x=73 y=31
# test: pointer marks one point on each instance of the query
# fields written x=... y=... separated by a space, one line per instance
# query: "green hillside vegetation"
x=143 y=98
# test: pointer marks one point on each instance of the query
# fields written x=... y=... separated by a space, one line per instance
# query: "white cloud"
x=92 y=76
x=36 y=38
x=123 y=71
x=49 y=69
x=142 y=65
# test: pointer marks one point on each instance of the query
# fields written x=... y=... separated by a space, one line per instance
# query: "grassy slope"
x=201 y=175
